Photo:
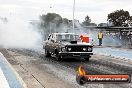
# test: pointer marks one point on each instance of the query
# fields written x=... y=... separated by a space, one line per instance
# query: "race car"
x=67 y=45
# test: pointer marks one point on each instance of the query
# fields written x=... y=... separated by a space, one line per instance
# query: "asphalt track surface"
x=66 y=70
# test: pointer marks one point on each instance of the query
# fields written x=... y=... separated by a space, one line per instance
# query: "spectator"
x=100 y=37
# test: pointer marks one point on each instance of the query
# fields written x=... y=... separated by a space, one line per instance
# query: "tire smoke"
x=16 y=33
x=108 y=40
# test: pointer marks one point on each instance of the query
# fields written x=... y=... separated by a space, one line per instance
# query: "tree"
x=102 y=24
x=49 y=23
x=130 y=21
x=65 y=21
x=51 y=18
x=119 y=18
x=87 y=21
x=93 y=24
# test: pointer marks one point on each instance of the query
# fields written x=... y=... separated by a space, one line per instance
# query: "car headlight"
x=84 y=49
x=89 y=49
x=69 y=49
x=63 y=49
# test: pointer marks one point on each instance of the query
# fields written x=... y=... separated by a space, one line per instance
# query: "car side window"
x=52 y=40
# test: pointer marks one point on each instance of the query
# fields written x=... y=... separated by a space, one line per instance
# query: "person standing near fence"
x=100 y=37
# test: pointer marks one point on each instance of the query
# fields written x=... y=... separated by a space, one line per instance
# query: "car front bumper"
x=75 y=54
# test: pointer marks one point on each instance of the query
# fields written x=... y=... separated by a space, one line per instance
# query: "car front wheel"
x=47 y=54
x=59 y=58
x=87 y=59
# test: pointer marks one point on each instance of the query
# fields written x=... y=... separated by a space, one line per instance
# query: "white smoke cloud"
x=17 y=33
x=93 y=35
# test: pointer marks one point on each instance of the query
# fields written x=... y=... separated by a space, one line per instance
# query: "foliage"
x=119 y=18
x=65 y=21
x=102 y=24
x=86 y=21
x=93 y=24
x=51 y=18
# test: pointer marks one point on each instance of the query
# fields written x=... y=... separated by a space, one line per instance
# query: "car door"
x=54 y=44
x=49 y=44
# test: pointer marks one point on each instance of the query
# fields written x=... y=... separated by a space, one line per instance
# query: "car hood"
x=78 y=43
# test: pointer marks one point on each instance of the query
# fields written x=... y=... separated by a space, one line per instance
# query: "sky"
x=97 y=10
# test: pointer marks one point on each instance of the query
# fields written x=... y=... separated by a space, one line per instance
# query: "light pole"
x=50 y=26
x=55 y=29
x=50 y=22
x=73 y=18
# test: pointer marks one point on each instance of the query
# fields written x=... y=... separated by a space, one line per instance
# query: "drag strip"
x=10 y=78
x=35 y=63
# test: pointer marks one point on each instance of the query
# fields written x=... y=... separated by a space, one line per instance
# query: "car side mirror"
x=49 y=37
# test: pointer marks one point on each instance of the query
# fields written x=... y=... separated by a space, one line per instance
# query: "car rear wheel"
x=86 y=59
x=47 y=54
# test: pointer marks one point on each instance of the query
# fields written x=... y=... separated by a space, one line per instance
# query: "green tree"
x=130 y=21
x=52 y=22
x=102 y=24
x=65 y=21
x=51 y=18
x=86 y=21
x=119 y=18
x=93 y=24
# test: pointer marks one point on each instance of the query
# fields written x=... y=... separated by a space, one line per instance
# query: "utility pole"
x=73 y=18
x=50 y=26
x=55 y=29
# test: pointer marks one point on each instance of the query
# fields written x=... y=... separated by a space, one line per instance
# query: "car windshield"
x=67 y=37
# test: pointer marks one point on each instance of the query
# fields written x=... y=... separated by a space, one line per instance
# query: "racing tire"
x=59 y=58
x=47 y=54
x=87 y=59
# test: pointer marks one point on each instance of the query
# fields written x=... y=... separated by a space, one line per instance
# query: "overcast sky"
x=31 y=9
